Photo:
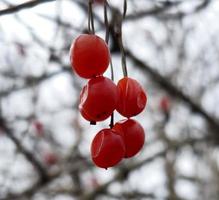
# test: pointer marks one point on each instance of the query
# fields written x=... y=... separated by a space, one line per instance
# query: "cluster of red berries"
x=90 y=57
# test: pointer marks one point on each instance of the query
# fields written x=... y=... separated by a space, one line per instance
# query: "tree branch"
x=27 y=154
x=22 y=6
x=174 y=91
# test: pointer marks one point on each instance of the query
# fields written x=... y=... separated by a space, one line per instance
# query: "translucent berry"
x=98 y=99
x=89 y=55
x=132 y=98
x=107 y=148
x=133 y=136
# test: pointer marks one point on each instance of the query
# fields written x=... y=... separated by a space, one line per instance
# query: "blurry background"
x=172 y=48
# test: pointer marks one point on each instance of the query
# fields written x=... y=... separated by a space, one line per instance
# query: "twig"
x=173 y=90
x=23 y=6
x=28 y=155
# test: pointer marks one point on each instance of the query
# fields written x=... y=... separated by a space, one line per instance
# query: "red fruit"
x=165 y=104
x=107 y=148
x=89 y=55
x=94 y=182
x=132 y=134
x=132 y=98
x=98 y=99
x=50 y=159
x=39 y=128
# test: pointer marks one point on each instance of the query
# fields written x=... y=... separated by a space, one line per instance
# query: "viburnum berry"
x=133 y=136
x=132 y=98
x=50 y=159
x=39 y=127
x=89 y=56
x=107 y=148
x=98 y=99
x=165 y=104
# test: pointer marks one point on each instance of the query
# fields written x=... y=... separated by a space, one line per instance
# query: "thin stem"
x=124 y=67
x=112 y=78
x=111 y=69
x=124 y=8
x=107 y=41
x=91 y=28
x=92 y=18
x=106 y=22
x=118 y=33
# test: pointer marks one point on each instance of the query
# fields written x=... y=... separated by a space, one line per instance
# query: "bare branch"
x=173 y=90
x=23 y=6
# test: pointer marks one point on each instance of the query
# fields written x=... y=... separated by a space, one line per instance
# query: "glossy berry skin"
x=107 y=148
x=132 y=98
x=133 y=136
x=89 y=56
x=98 y=99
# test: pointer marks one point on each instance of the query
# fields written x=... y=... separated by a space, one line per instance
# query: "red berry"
x=39 y=128
x=89 y=55
x=94 y=182
x=132 y=134
x=98 y=99
x=107 y=148
x=132 y=98
x=50 y=158
x=165 y=104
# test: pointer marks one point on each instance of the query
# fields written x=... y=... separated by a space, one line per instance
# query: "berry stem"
x=124 y=8
x=124 y=67
x=91 y=28
x=112 y=78
x=106 y=22
x=118 y=33
x=107 y=41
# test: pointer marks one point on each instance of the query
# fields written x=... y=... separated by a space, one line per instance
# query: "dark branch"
x=28 y=155
x=22 y=6
x=174 y=91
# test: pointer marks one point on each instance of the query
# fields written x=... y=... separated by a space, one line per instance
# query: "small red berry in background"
x=132 y=97
x=165 y=104
x=39 y=128
x=133 y=136
x=98 y=99
x=107 y=148
x=94 y=182
x=50 y=159
x=89 y=56
x=20 y=48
